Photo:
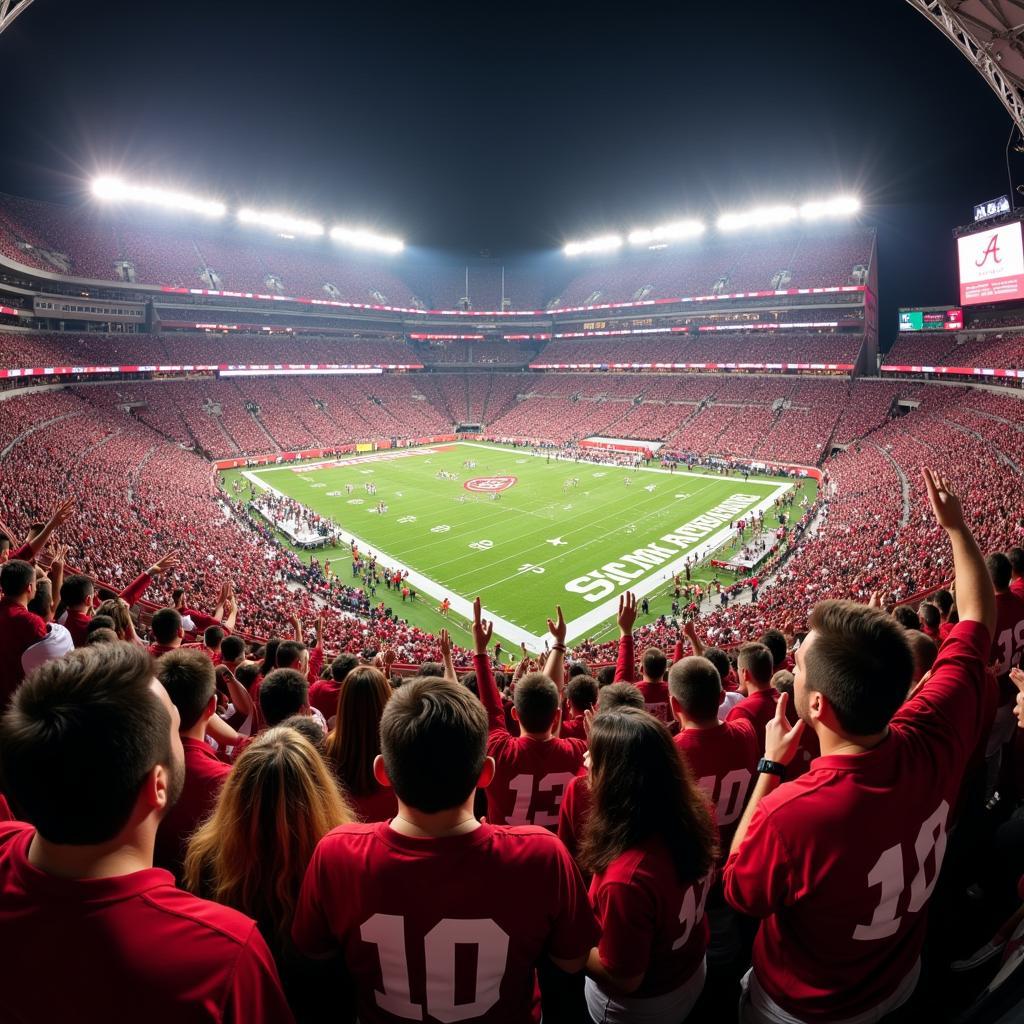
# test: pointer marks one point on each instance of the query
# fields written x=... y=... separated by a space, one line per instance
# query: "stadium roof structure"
x=990 y=34
x=10 y=9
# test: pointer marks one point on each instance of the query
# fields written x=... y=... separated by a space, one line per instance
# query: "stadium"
x=274 y=462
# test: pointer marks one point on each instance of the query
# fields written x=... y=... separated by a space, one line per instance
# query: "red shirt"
x=204 y=775
x=77 y=624
x=651 y=923
x=723 y=760
x=380 y=805
x=573 y=813
x=574 y=729
x=758 y=708
x=132 y=946
x=156 y=649
x=19 y=630
x=1017 y=586
x=323 y=695
x=840 y=863
x=530 y=775
x=656 y=699
x=1008 y=643
x=443 y=929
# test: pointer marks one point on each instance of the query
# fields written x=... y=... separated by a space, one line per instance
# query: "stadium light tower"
x=10 y=9
x=991 y=36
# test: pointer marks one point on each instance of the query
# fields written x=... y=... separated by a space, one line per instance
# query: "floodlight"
x=115 y=190
x=280 y=222
x=363 y=239
x=840 y=206
x=667 y=232
x=762 y=216
x=604 y=243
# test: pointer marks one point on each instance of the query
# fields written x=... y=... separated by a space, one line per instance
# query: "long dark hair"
x=355 y=740
x=270 y=656
x=641 y=787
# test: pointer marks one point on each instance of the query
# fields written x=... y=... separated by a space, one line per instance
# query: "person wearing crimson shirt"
x=1016 y=557
x=166 y=631
x=19 y=627
x=415 y=906
x=90 y=754
x=190 y=681
x=651 y=846
x=839 y=864
x=722 y=756
x=27 y=551
x=755 y=666
x=652 y=685
x=323 y=693
x=532 y=769
x=581 y=694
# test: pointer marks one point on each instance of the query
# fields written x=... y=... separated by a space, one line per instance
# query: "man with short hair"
x=38 y=537
x=532 y=769
x=189 y=678
x=652 y=684
x=19 y=628
x=439 y=916
x=76 y=596
x=166 y=630
x=722 y=756
x=323 y=694
x=90 y=754
x=581 y=695
x=756 y=667
x=284 y=692
x=775 y=641
x=839 y=864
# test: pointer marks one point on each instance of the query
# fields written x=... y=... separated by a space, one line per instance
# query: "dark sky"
x=475 y=126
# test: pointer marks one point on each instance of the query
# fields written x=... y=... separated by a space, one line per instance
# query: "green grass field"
x=543 y=541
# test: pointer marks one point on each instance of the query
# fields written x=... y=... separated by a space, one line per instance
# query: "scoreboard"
x=932 y=318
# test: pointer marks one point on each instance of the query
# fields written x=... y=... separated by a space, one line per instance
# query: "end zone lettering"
x=490 y=484
x=600 y=583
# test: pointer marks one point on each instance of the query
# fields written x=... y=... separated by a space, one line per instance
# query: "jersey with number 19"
x=444 y=929
x=840 y=863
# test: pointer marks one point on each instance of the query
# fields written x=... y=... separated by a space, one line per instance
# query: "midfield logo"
x=490 y=484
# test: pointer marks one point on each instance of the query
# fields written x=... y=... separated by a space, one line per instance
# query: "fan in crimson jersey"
x=533 y=769
x=651 y=845
x=755 y=666
x=581 y=694
x=1016 y=557
x=652 y=685
x=91 y=755
x=440 y=917
x=840 y=863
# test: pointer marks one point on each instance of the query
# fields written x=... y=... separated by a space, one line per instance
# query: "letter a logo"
x=992 y=249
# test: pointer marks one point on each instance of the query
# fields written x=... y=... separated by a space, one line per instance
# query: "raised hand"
x=168 y=561
x=557 y=627
x=627 y=612
x=445 y=642
x=482 y=629
x=781 y=741
x=945 y=504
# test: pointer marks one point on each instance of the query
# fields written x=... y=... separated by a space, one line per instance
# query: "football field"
x=524 y=531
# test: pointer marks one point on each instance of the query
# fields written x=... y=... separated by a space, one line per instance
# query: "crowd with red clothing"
x=217 y=831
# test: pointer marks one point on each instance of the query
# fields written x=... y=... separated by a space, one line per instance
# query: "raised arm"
x=230 y=611
x=975 y=596
x=140 y=584
x=31 y=548
x=56 y=574
x=690 y=631
x=554 y=667
x=485 y=682
x=625 y=668
x=445 y=642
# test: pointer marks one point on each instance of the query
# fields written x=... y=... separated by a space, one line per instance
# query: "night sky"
x=509 y=127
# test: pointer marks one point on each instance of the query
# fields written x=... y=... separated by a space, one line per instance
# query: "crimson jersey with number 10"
x=446 y=929
x=840 y=862
x=530 y=776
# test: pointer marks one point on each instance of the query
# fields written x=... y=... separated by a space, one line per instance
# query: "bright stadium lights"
x=115 y=190
x=759 y=217
x=281 y=222
x=667 y=232
x=840 y=206
x=604 y=243
x=362 y=239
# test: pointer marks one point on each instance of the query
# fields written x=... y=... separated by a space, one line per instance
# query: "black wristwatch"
x=771 y=767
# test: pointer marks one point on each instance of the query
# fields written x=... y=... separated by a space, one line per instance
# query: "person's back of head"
x=640 y=788
x=925 y=651
x=80 y=739
x=431 y=670
x=999 y=571
x=213 y=637
x=308 y=727
x=782 y=682
x=930 y=617
x=247 y=672
x=619 y=695
x=654 y=664
x=17 y=578
x=605 y=675
x=945 y=603
x=696 y=689
x=354 y=741
x=906 y=616
x=536 y=703
x=41 y=603
x=755 y=665
x=775 y=641
x=165 y=626
x=278 y=802
x=76 y=590
x=232 y=649
x=1016 y=557
x=100 y=636
x=578 y=668
x=859 y=660
x=118 y=611
x=285 y=692
x=582 y=692
x=99 y=622
x=433 y=737
x=190 y=681
x=289 y=653
x=269 y=662
x=720 y=660
x=342 y=665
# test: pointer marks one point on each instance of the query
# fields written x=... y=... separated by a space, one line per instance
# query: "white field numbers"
x=1010 y=642
x=387 y=933
x=524 y=787
x=889 y=876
